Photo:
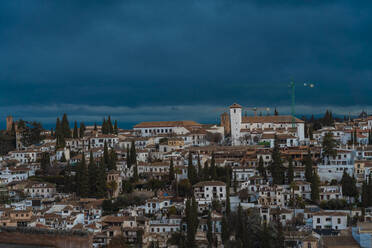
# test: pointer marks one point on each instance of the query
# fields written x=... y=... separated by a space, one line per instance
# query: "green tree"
x=261 y=168
x=129 y=161
x=68 y=180
x=66 y=132
x=308 y=167
x=45 y=163
x=365 y=194
x=329 y=145
x=276 y=167
x=290 y=172
x=227 y=203
x=133 y=154
x=225 y=233
x=315 y=188
x=192 y=222
x=191 y=171
x=200 y=170
x=276 y=112
x=93 y=175
x=75 y=133
x=82 y=130
x=349 y=187
x=206 y=171
x=113 y=158
x=104 y=128
x=109 y=125
x=213 y=171
x=101 y=181
x=116 y=130
x=171 y=171
x=84 y=190
x=209 y=231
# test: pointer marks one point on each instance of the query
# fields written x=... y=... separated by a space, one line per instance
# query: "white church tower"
x=236 y=123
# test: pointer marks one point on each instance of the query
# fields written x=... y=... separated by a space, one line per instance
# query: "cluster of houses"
x=237 y=142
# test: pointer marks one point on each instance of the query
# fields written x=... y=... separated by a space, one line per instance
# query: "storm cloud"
x=196 y=54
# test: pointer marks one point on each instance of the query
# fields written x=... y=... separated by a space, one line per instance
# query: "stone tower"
x=225 y=123
x=236 y=123
x=9 y=123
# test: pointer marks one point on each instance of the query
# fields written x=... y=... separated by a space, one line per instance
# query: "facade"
x=155 y=128
x=207 y=191
x=250 y=125
x=330 y=220
x=40 y=190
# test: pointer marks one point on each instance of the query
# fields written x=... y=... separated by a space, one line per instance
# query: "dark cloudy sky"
x=155 y=60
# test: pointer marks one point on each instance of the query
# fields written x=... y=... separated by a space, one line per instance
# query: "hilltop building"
x=256 y=126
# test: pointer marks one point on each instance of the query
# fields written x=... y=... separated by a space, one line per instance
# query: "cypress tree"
x=227 y=203
x=213 y=169
x=106 y=156
x=171 y=171
x=82 y=130
x=235 y=183
x=104 y=128
x=75 y=134
x=225 y=233
x=93 y=177
x=315 y=188
x=101 y=181
x=200 y=170
x=66 y=132
x=67 y=182
x=209 y=231
x=349 y=187
x=95 y=126
x=84 y=190
x=192 y=222
x=276 y=167
x=79 y=175
x=133 y=154
x=276 y=112
x=261 y=168
x=206 y=171
x=308 y=167
x=290 y=170
x=59 y=134
x=191 y=171
x=116 y=130
x=129 y=161
x=135 y=173
x=364 y=194
x=109 y=125
x=45 y=163
x=112 y=160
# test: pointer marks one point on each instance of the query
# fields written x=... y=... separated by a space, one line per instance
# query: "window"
x=338 y=220
x=318 y=220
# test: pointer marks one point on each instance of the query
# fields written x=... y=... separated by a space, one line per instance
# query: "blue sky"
x=156 y=60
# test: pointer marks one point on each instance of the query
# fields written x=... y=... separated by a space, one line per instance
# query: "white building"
x=207 y=191
x=246 y=125
x=330 y=220
x=40 y=190
x=28 y=156
x=155 y=205
x=155 y=128
x=99 y=140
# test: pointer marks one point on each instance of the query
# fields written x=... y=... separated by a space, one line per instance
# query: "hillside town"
x=251 y=180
